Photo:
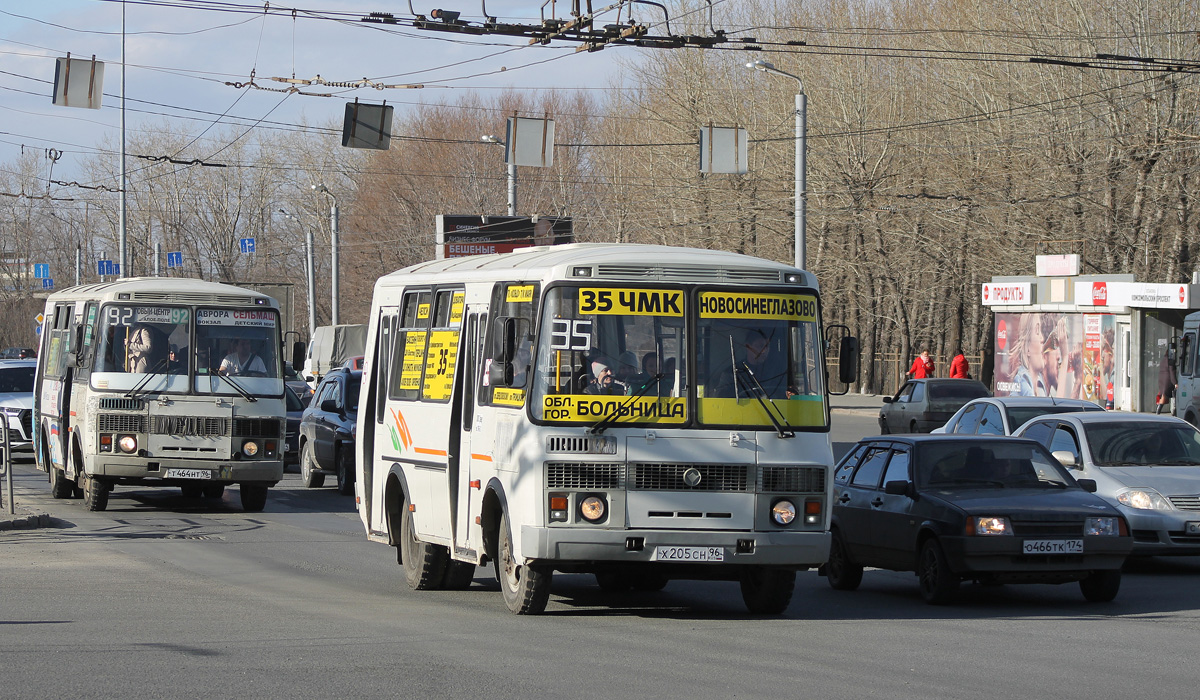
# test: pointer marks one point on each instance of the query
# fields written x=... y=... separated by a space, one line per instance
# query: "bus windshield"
x=136 y=341
x=622 y=354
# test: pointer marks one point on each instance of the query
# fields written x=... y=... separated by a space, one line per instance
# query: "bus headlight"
x=592 y=509
x=127 y=443
x=783 y=512
x=249 y=448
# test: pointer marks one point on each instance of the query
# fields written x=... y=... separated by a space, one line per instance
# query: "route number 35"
x=570 y=334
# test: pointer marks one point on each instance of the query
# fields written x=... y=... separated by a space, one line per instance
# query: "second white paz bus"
x=641 y=413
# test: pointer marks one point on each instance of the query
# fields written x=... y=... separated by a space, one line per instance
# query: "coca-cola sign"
x=1099 y=294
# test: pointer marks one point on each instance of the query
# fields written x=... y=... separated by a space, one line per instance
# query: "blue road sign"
x=41 y=270
x=104 y=268
x=247 y=245
x=47 y=283
x=175 y=259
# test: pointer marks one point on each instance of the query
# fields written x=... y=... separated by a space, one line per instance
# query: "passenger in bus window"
x=756 y=367
x=140 y=347
x=649 y=370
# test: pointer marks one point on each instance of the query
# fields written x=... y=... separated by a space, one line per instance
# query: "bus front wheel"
x=767 y=591
x=95 y=493
x=424 y=564
x=526 y=589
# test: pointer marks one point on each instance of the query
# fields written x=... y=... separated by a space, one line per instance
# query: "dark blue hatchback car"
x=327 y=430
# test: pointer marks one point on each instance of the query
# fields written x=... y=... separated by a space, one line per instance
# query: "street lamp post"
x=309 y=273
x=512 y=175
x=333 y=240
x=801 y=157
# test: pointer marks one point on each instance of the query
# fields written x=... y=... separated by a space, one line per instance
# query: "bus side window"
x=383 y=361
x=514 y=302
x=1187 y=345
x=408 y=346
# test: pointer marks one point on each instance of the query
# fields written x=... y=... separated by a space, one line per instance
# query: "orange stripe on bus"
x=72 y=414
x=427 y=451
x=481 y=458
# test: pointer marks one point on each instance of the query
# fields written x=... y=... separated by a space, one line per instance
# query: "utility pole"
x=333 y=241
x=309 y=273
x=512 y=174
x=801 y=170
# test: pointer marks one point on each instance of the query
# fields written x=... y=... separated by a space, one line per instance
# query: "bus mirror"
x=76 y=340
x=848 y=360
x=298 y=352
x=500 y=373
x=508 y=341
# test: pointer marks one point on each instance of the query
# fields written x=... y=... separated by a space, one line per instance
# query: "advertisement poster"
x=1066 y=355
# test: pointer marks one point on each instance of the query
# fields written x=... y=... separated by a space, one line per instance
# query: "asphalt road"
x=161 y=597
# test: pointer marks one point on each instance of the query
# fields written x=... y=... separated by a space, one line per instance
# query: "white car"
x=16 y=401
x=1003 y=415
x=1148 y=466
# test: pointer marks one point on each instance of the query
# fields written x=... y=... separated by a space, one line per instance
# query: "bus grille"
x=582 y=444
x=670 y=477
x=120 y=423
x=200 y=426
x=257 y=427
x=113 y=404
x=652 y=272
x=791 y=479
x=575 y=475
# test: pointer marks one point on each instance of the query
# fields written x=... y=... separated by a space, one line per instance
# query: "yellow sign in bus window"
x=414 y=360
x=456 y=308
x=787 y=307
x=508 y=397
x=422 y=311
x=439 y=365
x=519 y=293
x=631 y=302
x=588 y=407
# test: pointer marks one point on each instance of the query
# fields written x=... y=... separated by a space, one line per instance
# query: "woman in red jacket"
x=922 y=367
x=959 y=367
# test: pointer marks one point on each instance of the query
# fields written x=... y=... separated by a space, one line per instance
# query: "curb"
x=28 y=522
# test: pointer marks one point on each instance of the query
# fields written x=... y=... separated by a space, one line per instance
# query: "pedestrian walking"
x=922 y=366
x=959 y=367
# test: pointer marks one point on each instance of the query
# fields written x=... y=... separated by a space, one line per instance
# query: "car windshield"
x=1141 y=443
x=293 y=402
x=990 y=464
x=16 y=380
x=1018 y=415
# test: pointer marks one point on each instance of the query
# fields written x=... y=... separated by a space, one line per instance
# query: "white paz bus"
x=160 y=382
x=641 y=413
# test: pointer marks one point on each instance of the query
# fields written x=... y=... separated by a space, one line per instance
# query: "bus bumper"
x=113 y=466
x=786 y=549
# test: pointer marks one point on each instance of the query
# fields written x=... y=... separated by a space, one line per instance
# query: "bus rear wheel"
x=95 y=494
x=526 y=589
x=767 y=591
x=424 y=564
x=60 y=485
x=254 y=497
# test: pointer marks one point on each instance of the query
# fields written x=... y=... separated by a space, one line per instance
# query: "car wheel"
x=424 y=564
x=912 y=427
x=526 y=589
x=883 y=428
x=937 y=582
x=345 y=472
x=841 y=572
x=254 y=497
x=767 y=591
x=95 y=494
x=308 y=468
x=1101 y=586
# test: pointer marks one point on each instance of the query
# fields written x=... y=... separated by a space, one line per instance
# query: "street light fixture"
x=333 y=241
x=512 y=174
x=801 y=155
x=309 y=273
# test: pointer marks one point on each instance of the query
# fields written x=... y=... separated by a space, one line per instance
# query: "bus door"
x=383 y=440
x=468 y=459
x=56 y=389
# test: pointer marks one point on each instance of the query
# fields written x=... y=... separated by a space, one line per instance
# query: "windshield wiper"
x=144 y=380
x=237 y=387
x=611 y=415
x=758 y=392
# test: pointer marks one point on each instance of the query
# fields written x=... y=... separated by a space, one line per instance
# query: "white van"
x=331 y=347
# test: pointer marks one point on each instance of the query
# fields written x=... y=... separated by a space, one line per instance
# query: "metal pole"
x=310 y=272
x=12 y=497
x=333 y=240
x=512 y=188
x=78 y=263
x=124 y=183
x=157 y=257
x=801 y=178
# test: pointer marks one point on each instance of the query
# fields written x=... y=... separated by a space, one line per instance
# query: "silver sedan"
x=1002 y=415
x=1146 y=465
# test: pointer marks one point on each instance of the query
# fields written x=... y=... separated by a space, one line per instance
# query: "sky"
x=180 y=59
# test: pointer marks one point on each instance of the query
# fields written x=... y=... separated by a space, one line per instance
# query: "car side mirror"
x=1064 y=458
x=887 y=399
x=897 y=488
x=329 y=406
x=1088 y=485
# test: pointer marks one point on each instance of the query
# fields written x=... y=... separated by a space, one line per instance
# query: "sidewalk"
x=856 y=404
x=24 y=477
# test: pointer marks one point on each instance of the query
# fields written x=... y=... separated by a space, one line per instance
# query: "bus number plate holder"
x=689 y=554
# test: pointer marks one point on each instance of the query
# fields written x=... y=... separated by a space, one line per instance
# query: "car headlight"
x=988 y=525
x=250 y=448
x=127 y=443
x=1105 y=527
x=1143 y=499
x=592 y=509
x=783 y=512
